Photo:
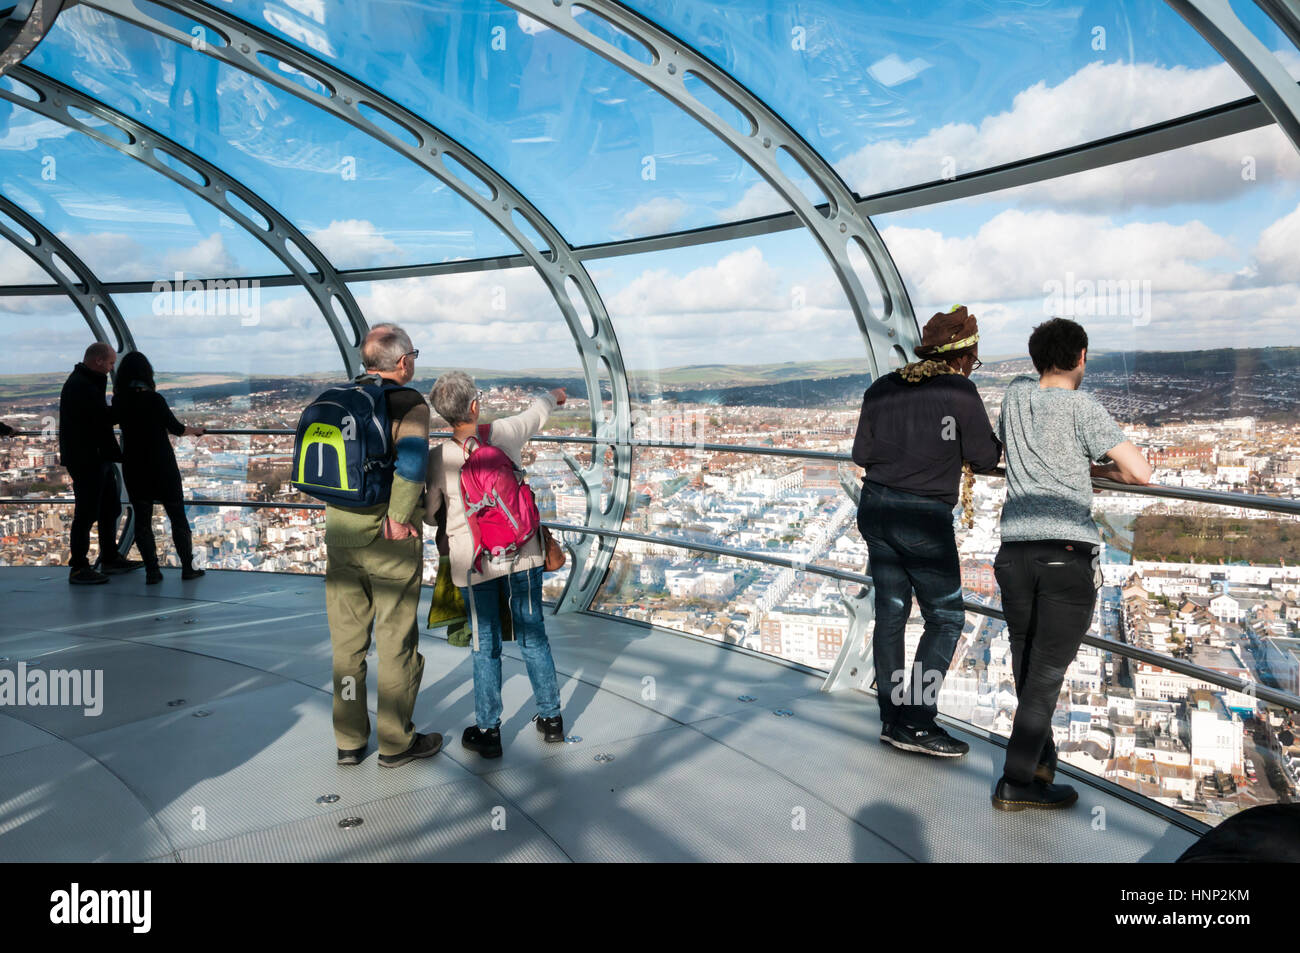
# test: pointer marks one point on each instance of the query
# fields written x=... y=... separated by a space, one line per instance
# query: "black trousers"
x=1049 y=589
x=181 y=535
x=95 y=496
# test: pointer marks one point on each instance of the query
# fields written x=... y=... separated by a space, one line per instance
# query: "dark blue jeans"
x=525 y=594
x=912 y=551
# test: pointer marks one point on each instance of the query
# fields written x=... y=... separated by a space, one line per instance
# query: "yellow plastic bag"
x=448 y=606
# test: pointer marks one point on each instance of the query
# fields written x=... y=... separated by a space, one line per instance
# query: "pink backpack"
x=499 y=505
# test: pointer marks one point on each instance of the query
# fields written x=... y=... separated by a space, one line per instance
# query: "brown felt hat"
x=949 y=334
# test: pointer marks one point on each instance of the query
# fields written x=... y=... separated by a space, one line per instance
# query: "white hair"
x=384 y=346
x=453 y=393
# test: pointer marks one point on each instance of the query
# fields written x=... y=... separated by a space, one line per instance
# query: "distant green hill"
x=731 y=380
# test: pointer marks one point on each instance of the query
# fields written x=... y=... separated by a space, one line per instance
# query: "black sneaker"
x=1009 y=796
x=886 y=727
x=423 y=746
x=552 y=728
x=933 y=741
x=152 y=576
x=191 y=573
x=352 y=755
x=115 y=567
x=86 y=577
x=487 y=743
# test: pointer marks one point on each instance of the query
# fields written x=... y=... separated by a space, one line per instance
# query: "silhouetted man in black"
x=88 y=449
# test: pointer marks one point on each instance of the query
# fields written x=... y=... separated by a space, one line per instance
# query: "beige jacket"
x=443 y=484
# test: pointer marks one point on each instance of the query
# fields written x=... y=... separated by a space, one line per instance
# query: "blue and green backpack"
x=343 y=450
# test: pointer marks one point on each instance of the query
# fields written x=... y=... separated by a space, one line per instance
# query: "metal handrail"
x=1137 y=653
x=1249 y=501
x=1277 y=696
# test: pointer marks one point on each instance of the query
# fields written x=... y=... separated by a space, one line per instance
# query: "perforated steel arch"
x=24 y=27
x=889 y=334
x=244 y=46
x=215 y=187
x=1251 y=59
x=87 y=293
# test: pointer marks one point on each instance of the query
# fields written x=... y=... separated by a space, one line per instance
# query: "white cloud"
x=115 y=256
x=759 y=199
x=1277 y=254
x=740 y=280
x=209 y=257
x=17 y=268
x=357 y=241
x=1017 y=251
x=1200 y=294
x=649 y=218
x=892 y=70
x=1099 y=100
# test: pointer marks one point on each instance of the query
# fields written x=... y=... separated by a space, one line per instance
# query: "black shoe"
x=1010 y=796
x=487 y=743
x=152 y=576
x=86 y=577
x=423 y=746
x=552 y=728
x=191 y=573
x=115 y=567
x=352 y=755
x=933 y=741
x=886 y=727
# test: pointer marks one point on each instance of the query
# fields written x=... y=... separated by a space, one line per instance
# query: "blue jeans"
x=525 y=591
x=912 y=549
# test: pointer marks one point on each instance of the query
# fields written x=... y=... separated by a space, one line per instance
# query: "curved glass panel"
x=340 y=186
x=1188 y=251
x=41 y=338
x=900 y=92
x=234 y=355
x=599 y=153
x=747 y=342
x=17 y=267
x=124 y=220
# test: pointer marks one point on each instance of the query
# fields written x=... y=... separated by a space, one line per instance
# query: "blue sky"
x=888 y=92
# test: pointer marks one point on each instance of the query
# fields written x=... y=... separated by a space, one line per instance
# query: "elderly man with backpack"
x=498 y=548
x=362 y=448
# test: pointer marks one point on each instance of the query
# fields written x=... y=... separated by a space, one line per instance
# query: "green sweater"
x=358 y=527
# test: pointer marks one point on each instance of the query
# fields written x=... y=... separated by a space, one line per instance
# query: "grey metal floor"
x=215 y=743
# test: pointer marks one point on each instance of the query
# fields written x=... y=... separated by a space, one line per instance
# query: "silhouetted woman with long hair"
x=149 y=462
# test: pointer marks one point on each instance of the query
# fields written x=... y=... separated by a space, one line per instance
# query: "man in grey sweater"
x=458 y=401
x=1047 y=567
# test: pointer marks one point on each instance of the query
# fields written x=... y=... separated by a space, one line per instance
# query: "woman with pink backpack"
x=497 y=549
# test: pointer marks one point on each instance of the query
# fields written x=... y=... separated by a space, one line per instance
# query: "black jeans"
x=95 y=495
x=1049 y=589
x=912 y=549
x=181 y=535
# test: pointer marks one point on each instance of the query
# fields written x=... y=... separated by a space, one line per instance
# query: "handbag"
x=555 y=555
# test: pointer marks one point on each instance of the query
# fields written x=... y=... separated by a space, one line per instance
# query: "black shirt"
x=914 y=437
x=86 y=421
x=148 y=460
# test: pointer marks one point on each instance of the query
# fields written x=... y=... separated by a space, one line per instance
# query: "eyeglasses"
x=413 y=355
x=977 y=365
